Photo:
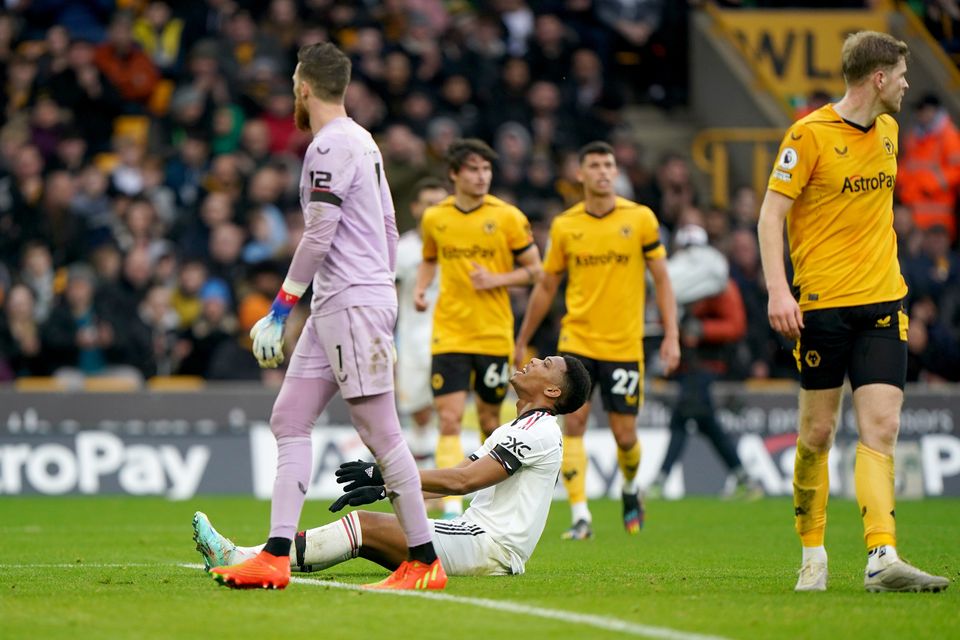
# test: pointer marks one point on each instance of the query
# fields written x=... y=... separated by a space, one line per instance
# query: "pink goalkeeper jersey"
x=356 y=233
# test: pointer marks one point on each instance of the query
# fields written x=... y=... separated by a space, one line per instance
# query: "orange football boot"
x=263 y=571
x=413 y=574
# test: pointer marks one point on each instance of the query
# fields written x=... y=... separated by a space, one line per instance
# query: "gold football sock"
x=449 y=454
x=573 y=468
x=811 y=489
x=873 y=478
x=629 y=461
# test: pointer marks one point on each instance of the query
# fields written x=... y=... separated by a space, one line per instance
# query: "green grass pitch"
x=80 y=568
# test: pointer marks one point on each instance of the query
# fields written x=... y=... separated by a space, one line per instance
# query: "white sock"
x=239 y=554
x=631 y=486
x=579 y=511
x=879 y=557
x=814 y=554
x=330 y=544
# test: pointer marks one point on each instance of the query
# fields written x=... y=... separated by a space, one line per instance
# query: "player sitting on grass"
x=513 y=473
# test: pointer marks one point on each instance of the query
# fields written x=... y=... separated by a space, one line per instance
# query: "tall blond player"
x=833 y=186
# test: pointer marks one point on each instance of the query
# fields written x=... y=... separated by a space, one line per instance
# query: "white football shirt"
x=413 y=327
x=514 y=512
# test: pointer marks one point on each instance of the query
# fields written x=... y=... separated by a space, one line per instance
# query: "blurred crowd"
x=942 y=20
x=149 y=163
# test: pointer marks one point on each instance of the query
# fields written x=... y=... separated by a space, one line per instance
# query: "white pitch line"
x=81 y=565
x=599 y=622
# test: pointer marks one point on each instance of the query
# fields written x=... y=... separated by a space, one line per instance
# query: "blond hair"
x=866 y=51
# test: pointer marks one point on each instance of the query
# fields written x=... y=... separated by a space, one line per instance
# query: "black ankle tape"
x=278 y=546
x=300 y=548
x=423 y=553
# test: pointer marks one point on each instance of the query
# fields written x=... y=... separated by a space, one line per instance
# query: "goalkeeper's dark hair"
x=460 y=150
x=326 y=69
x=575 y=388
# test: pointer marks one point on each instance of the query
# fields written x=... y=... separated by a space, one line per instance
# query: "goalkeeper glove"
x=359 y=474
x=358 y=497
x=267 y=334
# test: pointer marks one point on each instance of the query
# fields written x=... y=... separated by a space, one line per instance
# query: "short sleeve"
x=519 y=234
x=555 y=260
x=650 y=236
x=485 y=448
x=796 y=161
x=514 y=448
x=328 y=172
x=427 y=225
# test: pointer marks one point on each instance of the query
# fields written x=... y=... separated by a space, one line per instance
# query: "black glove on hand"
x=358 y=497
x=359 y=474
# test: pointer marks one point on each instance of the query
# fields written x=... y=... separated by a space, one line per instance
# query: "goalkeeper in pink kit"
x=348 y=250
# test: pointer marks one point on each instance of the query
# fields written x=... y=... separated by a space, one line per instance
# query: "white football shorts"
x=465 y=549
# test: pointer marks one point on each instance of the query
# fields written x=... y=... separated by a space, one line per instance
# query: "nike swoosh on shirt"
x=323 y=152
x=794 y=136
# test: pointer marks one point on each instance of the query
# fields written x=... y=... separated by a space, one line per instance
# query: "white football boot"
x=812 y=576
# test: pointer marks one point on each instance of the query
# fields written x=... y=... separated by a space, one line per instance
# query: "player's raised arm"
x=782 y=309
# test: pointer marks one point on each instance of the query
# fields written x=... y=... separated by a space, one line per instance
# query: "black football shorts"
x=868 y=343
x=621 y=383
x=488 y=375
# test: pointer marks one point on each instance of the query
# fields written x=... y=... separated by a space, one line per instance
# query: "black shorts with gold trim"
x=488 y=375
x=621 y=383
x=867 y=342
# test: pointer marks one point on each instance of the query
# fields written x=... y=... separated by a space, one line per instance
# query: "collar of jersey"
x=858 y=127
x=530 y=412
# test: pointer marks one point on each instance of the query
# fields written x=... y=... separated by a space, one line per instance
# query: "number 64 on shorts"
x=487 y=375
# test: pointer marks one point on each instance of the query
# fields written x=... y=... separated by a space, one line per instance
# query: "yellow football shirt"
x=840 y=228
x=466 y=320
x=605 y=261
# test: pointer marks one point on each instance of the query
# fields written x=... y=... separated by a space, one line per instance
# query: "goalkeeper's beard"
x=301 y=116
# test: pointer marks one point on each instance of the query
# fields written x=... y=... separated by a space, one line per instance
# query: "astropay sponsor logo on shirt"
x=863 y=184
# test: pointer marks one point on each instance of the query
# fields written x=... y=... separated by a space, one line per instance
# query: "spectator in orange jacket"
x=127 y=68
x=929 y=171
